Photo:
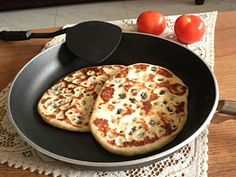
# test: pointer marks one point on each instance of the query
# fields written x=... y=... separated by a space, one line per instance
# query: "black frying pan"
x=81 y=148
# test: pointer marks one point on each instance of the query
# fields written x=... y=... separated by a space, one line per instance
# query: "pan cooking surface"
x=44 y=70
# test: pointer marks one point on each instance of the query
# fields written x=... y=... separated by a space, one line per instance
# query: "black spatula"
x=93 y=41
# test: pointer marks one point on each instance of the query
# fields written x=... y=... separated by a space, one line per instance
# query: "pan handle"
x=227 y=107
x=226 y=110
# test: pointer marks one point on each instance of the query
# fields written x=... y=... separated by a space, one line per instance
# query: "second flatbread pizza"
x=141 y=109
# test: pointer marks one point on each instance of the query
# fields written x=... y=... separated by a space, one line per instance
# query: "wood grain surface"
x=222 y=136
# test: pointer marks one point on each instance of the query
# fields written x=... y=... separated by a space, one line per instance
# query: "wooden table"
x=222 y=136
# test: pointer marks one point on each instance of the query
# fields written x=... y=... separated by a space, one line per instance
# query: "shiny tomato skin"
x=151 y=22
x=189 y=29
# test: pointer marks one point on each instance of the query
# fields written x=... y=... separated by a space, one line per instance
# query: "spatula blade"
x=93 y=41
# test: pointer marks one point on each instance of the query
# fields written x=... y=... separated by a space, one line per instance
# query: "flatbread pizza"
x=140 y=109
x=68 y=104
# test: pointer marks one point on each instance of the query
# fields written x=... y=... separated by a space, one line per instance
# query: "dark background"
x=23 y=4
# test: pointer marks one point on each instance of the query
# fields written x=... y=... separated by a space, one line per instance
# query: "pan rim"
x=120 y=163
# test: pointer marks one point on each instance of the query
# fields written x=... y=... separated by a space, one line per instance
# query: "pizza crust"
x=140 y=109
x=131 y=151
x=56 y=123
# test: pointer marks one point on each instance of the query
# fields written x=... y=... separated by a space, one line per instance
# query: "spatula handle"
x=25 y=35
x=15 y=35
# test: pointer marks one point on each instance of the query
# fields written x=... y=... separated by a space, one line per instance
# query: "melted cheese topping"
x=70 y=100
x=140 y=105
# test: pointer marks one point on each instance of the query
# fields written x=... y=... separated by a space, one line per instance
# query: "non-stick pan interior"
x=53 y=64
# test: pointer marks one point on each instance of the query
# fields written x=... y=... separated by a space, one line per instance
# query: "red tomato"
x=151 y=22
x=189 y=28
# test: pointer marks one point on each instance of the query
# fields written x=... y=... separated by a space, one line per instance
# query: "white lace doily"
x=190 y=161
